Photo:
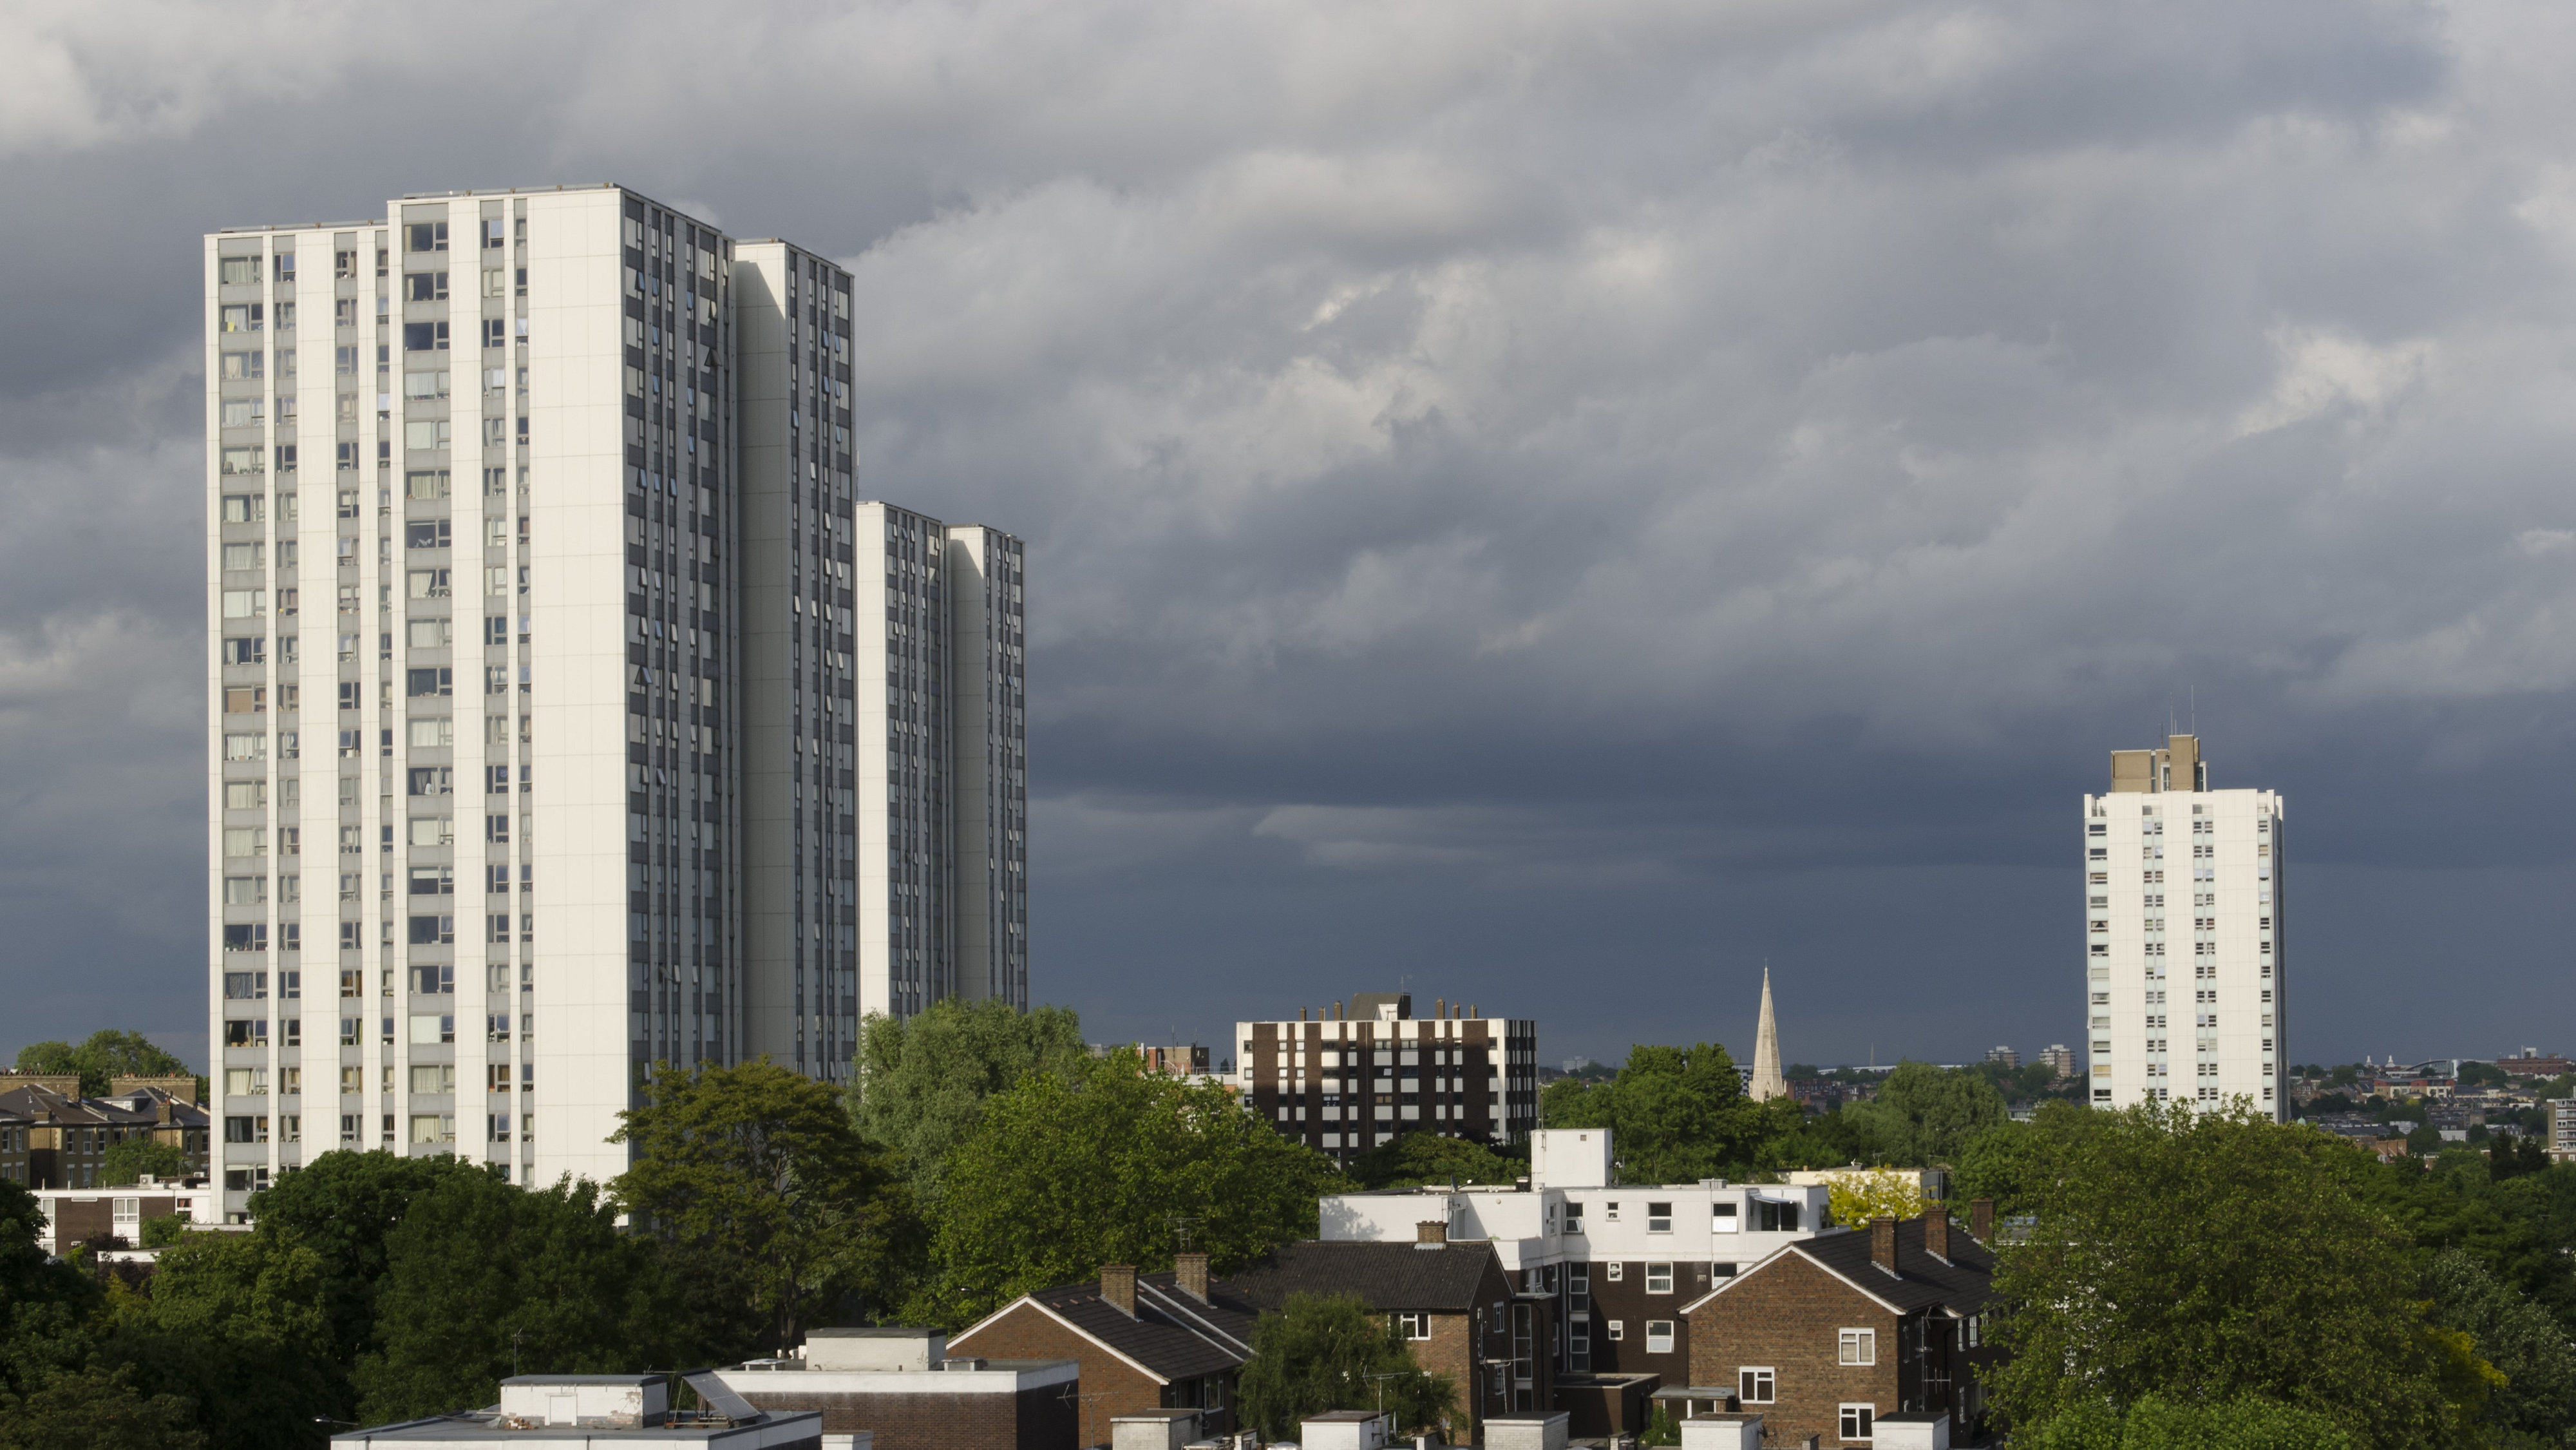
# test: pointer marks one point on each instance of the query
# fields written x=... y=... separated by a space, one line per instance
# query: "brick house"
x=1830 y=1333
x=1144 y=1341
x=1453 y=1303
x=50 y=1137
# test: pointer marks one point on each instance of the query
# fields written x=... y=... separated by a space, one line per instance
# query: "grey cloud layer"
x=1609 y=490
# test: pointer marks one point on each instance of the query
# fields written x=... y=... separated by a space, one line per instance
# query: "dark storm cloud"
x=1552 y=503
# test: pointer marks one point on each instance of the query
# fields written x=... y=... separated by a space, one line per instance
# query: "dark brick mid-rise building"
x=1360 y=1074
x=1145 y=1342
x=1831 y=1333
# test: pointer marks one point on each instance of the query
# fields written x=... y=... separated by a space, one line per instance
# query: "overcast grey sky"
x=1550 y=504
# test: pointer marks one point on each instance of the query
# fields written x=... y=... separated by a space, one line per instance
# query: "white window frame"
x=1868 y=1422
x=1659 y=1223
x=1670 y=1336
x=1857 y=1346
x=1618 y=1329
x=1751 y=1377
x=1414 y=1324
x=1618 y=1270
x=1726 y=1218
x=1667 y=1271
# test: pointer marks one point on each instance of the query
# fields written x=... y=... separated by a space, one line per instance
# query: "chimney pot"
x=1189 y=1270
x=1118 y=1287
x=1936 y=1232
x=1981 y=1219
x=1882 y=1244
x=1431 y=1233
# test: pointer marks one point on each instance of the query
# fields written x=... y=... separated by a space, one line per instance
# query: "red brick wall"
x=1790 y=1317
x=1110 y=1385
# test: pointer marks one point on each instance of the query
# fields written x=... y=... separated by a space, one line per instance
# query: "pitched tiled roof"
x=40 y=1104
x=1962 y=1285
x=1386 y=1277
x=1174 y=1335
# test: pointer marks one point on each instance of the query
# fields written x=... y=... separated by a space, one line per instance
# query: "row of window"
x=1766 y=1217
x=425 y=1029
x=426 y=1128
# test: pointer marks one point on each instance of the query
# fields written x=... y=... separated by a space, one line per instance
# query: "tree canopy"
x=755 y=1178
x=343 y=1206
x=106 y=1055
x=1410 y=1159
x=1328 y=1352
x=129 y=1160
x=2012 y=1162
x=483 y=1280
x=1924 y=1115
x=1857 y=1199
x=1113 y=1165
x=920 y=1084
x=2206 y=1257
x=1676 y=1114
x=2248 y=1422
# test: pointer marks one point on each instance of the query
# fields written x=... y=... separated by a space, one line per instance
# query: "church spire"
x=1767 y=1082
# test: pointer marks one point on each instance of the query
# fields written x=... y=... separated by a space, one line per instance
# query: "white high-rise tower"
x=536 y=625
x=2186 y=990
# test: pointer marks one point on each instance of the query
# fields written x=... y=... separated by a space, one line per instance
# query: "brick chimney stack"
x=1431 y=1233
x=1189 y=1270
x=1118 y=1287
x=1882 y=1244
x=1936 y=1232
x=1981 y=1219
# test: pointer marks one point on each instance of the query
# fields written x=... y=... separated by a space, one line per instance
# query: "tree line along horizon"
x=2175 y=1278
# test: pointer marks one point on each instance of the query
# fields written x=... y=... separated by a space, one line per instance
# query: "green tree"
x=1064 y=1174
x=2156 y=1423
x=2012 y=1162
x=342 y=1206
x=1676 y=1115
x=107 y=1054
x=2206 y=1257
x=234 y=1324
x=1924 y=1115
x=920 y=1084
x=758 y=1183
x=1857 y=1199
x=96 y=1409
x=1417 y=1158
x=45 y=1304
x=2536 y=1404
x=483 y=1280
x=1328 y=1352
x=129 y=1160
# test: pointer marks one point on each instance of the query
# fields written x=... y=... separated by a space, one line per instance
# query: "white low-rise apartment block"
x=2186 y=974
x=1618 y=1259
x=552 y=661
